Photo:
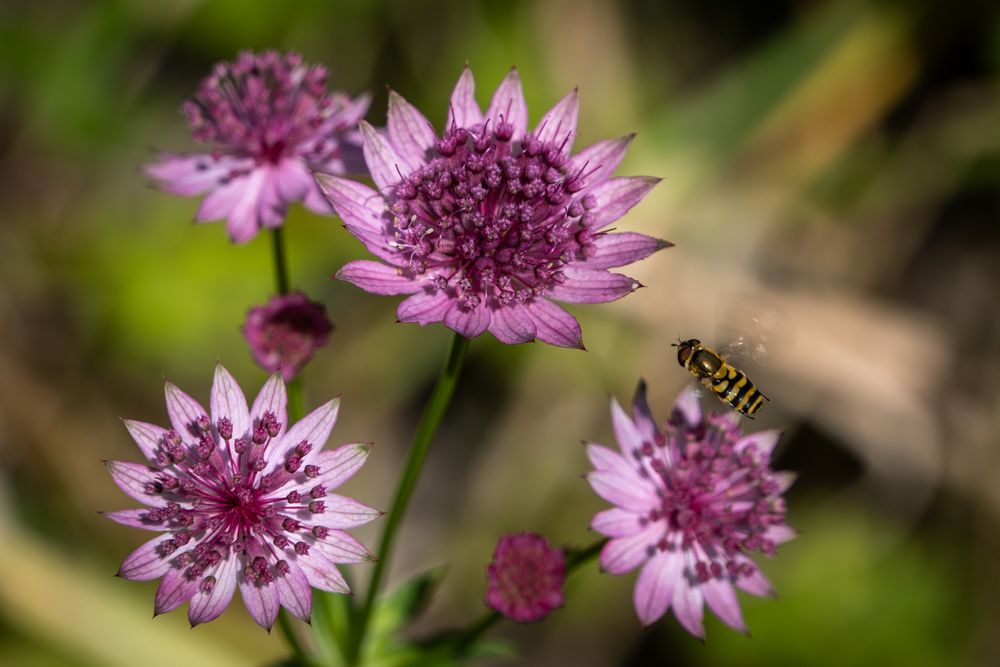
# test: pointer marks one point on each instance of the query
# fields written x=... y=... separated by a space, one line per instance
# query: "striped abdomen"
x=734 y=388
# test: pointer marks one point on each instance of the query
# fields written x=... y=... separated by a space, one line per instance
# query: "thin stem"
x=285 y=624
x=281 y=282
x=429 y=422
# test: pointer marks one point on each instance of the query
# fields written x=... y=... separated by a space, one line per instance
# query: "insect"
x=730 y=384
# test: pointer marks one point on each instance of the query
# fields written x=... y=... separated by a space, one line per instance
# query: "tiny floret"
x=283 y=335
x=691 y=502
x=525 y=579
x=485 y=223
x=230 y=513
x=269 y=123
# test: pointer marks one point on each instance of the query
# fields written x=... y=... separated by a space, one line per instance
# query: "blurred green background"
x=832 y=164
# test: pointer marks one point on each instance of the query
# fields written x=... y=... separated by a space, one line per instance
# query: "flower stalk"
x=438 y=403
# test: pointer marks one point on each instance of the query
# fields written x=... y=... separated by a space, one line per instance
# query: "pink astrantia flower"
x=691 y=501
x=269 y=122
x=525 y=578
x=241 y=502
x=486 y=224
x=284 y=333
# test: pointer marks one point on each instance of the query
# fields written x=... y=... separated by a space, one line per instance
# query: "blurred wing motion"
x=749 y=329
x=729 y=384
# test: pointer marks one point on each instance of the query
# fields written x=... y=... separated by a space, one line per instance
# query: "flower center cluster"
x=491 y=220
x=230 y=503
x=713 y=497
x=262 y=106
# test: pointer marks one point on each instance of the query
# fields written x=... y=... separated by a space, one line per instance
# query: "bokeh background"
x=832 y=167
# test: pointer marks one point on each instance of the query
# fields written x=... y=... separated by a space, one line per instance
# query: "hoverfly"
x=728 y=383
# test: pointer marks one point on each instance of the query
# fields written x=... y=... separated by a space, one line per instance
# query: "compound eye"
x=684 y=353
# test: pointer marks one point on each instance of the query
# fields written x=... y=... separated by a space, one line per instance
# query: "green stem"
x=429 y=422
x=298 y=650
x=295 y=410
x=281 y=282
x=575 y=559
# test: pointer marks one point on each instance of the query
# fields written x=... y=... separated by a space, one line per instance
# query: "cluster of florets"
x=506 y=217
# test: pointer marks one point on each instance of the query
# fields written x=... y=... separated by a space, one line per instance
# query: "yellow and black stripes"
x=730 y=384
x=734 y=388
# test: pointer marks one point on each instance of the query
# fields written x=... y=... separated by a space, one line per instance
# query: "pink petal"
x=292 y=180
x=183 y=411
x=623 y=554
x=621 y=249
x=469 y=322
x=188 y=175
x=654 y=587
x=175 y=589
x=384 y=163
x=616 y=196
x=780 y=534
x=512 y=324
x=341 y=512
x=424 y=308
x=314 y=428
x=688 y=608
x=377 y=278
x=554 y=325
x=261 y=601
x=363 y=212
x=273 y=398
x=294 y=592
x=616 y=522
x=642 y=416
x=592 y=286
x=688 y=404
x=755 y=584
x=604 y=459
x=341 y=547
x=227 y=400
x=721 y=599
x=559 y=124
x=314 y=199
x=339 y=465
x=785 y=480
x=135 y=518
x=147 y=436
x=132 y=478
x=508 y=104
x=597 y=162
x=628 y=436
x=409 y=131
x=320 y=571
x=464 y=110
x=209 y=606
x=625 y=491
x=146 y=563
x=763 y=441
x=270 y=208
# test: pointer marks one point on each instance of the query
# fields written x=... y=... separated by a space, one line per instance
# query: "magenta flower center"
x=491 y=220
x=713 y=496
x=265 y=107
x=234 y=505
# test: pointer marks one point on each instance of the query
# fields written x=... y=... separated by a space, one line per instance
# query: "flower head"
x=242 y=501
x=691 y=502
x=269 y=122
x=525 y=578
x=284 y=333
x=486 y=223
